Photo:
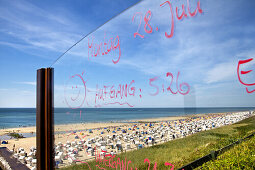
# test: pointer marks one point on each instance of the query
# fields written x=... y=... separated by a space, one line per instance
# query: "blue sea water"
x=17 y=117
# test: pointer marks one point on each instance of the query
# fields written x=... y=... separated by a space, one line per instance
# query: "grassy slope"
x=242 y=156
x=182 y=151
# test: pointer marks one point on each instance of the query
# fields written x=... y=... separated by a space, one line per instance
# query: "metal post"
x=213 y=154
x=45 y=119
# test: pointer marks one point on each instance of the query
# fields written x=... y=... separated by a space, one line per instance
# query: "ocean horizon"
x=25 y=117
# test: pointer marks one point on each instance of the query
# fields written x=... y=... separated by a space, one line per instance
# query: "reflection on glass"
x=157 y=87
x=158 y=72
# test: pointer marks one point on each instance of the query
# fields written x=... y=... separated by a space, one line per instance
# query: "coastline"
x=81 y=130
x=29 y=142
x=94 y=125
x=26 y=117
x=82 y=126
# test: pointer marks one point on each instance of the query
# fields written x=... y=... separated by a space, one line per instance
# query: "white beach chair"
x=22 y=159
x=34 y=162
x=128 y=146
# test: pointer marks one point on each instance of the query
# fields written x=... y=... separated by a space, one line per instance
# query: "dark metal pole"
x=45 y=119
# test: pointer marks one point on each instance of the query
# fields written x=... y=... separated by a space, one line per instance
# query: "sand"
x=82 y=131
x=160 y=119
x=82 y=126
x=27 y=143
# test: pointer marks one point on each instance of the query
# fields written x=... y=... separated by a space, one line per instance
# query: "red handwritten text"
x=75 y=95
x=179 y=87
x=117 y=163
x=147 y=18
x=244 y=73
x=104 y=48
x=115 y=92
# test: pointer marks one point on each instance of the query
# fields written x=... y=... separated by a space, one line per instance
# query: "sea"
x=25 y=117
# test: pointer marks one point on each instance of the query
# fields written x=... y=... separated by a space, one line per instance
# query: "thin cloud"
x=36 y=27
x=33 y=83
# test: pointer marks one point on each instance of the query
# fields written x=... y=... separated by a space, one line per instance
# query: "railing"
x=213 y=155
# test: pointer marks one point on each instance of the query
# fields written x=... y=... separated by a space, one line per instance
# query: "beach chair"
x=58 y=159
x=140 y=146
x=61 y=155
x=80 y=143
x=21 y=149
x=90 y=152
x=31 y=154
x=108 y=141
x=16 y=155
x=22 y=153
x=150 y=142
x=34 y=162
x=70 y=160
x=128 y=146
x=73 y=143
x=119 y=147
x=98 y=145
x=77 y=147
x=111 y=145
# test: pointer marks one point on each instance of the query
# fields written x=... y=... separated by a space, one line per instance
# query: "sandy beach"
x=81 y=126
x=27 y=143
x=71 y=135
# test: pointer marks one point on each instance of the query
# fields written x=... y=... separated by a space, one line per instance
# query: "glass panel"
x=138 y=80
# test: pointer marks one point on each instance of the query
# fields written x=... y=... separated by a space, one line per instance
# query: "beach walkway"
x=13 y=162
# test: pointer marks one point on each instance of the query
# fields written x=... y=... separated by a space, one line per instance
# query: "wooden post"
x=45 y=119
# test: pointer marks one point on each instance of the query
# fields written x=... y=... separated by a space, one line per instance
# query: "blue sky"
x=205 y=50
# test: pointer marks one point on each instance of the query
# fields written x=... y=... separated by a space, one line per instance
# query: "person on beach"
x=13 y=148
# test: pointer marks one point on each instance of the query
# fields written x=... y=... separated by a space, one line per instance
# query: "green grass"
x=16 y=135
x=182 y=151
x=242 y=156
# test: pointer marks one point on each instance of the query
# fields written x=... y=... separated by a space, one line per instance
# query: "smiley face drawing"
x=75 y=91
